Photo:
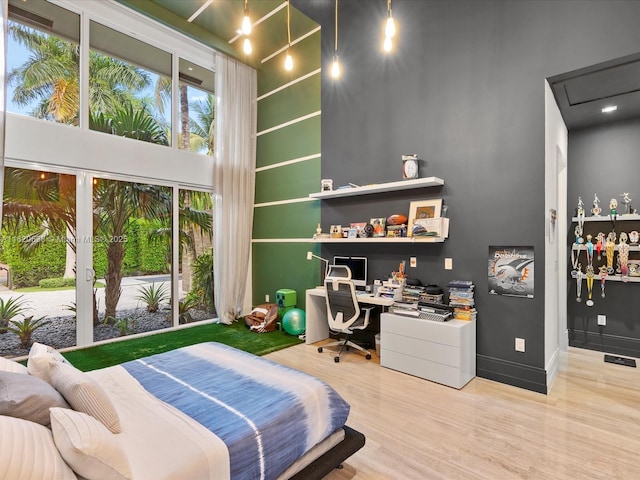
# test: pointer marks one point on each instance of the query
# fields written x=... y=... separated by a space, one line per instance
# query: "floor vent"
x=627 y=362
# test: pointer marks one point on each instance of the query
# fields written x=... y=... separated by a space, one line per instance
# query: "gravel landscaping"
x=61 y=332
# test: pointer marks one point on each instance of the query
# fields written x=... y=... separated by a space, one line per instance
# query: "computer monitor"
x=358 y=267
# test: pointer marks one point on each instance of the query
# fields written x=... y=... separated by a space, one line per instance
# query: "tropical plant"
x=186 y=304
x=203 y=280
x=202 y=132
x=25 y=328
x=50 y=77
x=153 y=296
x=10 y=308
x=194 y=213
x=72 y=307
x=116 y=203
x=123 y=325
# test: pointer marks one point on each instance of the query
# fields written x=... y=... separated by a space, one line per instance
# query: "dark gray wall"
x=465 y=90
x=604 y=160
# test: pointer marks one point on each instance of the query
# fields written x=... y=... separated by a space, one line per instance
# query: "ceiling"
x=216 y=23
x=580 y=94
x=583 y=93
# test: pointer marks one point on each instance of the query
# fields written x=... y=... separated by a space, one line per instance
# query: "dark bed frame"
x=332 y=459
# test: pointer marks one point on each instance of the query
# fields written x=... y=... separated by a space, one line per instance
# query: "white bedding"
x=175 y=446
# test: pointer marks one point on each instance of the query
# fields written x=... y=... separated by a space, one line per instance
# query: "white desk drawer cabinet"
x=443 y=352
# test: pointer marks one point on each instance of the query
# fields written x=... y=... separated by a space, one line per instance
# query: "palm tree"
x=202 y=125
x=45 y=201
x=50 y=77
x=116 y=203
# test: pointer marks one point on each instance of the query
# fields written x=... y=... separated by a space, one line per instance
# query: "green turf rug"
x=236 y=335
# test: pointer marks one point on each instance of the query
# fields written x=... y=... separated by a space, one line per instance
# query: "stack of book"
x=461 y=299
x=412 y=293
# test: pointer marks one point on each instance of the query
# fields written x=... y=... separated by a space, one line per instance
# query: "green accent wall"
x=285 y=266
x=297 y=140
x=281 y=262
x=289 y=181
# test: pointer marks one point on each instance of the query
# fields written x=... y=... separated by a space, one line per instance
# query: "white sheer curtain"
x=233 y=182
x=3 y=90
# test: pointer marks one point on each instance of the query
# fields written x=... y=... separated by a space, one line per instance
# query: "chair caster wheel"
x=319 y=349
x=368 y=357
x=336 y=359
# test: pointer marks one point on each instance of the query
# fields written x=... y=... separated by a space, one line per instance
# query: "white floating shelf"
x=607 y=218
x=381 y=187
x=382 y=240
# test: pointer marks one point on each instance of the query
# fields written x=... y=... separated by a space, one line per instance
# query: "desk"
x=317 y=325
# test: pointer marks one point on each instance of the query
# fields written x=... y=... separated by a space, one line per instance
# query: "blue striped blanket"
x=267 y=414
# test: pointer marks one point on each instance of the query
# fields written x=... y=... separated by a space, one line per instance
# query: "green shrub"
x=203 y=280
x=58 y=282
x=48 y=261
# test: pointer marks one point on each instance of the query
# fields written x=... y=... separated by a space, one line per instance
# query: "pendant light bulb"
x=246 y=46
x=387 y=45
x=390 y=27
x=288 y=62
x=246 y=21
x=335 y=67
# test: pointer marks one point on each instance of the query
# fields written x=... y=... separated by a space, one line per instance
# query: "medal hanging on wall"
x=580 y=226
x=610 y=248
x=575 y=258
x=623 y=257
x=579 y=283
x=603 y=277
x=590 y=276
x=600 y=245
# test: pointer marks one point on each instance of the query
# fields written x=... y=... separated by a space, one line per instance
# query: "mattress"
x=258 y=416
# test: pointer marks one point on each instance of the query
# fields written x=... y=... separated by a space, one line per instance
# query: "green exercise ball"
x=294 y=321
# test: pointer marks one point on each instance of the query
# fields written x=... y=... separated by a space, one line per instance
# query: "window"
x=42 y=61
x=129 y=87
x=196 y=108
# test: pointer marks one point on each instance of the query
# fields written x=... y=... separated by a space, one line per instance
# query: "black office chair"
x=344 y=314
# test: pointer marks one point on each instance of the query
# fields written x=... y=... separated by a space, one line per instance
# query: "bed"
x=205 y=411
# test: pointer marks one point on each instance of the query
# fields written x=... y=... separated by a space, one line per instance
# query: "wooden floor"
x=587 y=427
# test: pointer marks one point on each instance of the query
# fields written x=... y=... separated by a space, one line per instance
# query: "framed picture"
x=421 y=209
x=378 y=226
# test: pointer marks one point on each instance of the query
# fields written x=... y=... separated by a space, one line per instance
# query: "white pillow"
x=27 y=452
x=7 y=365
x=39 y=357
x=88 y=447
x=84 y=394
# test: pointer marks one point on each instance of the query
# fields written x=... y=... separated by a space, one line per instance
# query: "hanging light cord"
x=289 y=23
x=336 y=49
x=389 y=7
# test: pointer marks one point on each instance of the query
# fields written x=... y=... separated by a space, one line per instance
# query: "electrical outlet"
x=602 y=320
x=266 y=298
x=448 y=263
x=413 y=262
x=519 y=344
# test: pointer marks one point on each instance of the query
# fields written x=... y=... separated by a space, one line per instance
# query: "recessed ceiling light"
x=609 y=109
x=190 y=69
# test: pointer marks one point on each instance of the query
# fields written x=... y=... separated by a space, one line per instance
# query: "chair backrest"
x=342 y=305
x=339 y=271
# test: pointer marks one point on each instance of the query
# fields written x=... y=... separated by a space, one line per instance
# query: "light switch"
x=448 y=263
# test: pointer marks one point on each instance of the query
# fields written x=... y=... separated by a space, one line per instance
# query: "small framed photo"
x=353 y=233
x=422 y=209
x=378 y=226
